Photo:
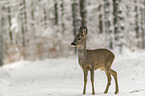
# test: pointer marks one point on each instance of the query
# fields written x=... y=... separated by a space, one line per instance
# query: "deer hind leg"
x=109 y=80
x=85 y=80
x=92 y=81
x=114 y=73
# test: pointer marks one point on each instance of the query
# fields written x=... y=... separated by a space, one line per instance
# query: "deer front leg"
x=85 y=80
x=92 y=81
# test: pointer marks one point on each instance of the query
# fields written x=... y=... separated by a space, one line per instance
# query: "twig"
x=137 y=90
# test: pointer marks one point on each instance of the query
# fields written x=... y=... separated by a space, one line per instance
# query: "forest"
x=37 y=58
x=39 y=29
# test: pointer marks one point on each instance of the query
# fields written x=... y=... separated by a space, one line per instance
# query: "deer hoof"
x=116 y=92
x=93 y=93
x=105 y=92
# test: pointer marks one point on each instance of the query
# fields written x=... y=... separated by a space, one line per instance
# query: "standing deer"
x=91 y=60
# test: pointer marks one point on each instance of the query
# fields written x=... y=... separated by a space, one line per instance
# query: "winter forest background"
x=38 y=29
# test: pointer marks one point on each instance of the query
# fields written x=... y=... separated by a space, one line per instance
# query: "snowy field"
x=64 y=77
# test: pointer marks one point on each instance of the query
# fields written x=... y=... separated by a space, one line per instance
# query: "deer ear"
x=84 y=31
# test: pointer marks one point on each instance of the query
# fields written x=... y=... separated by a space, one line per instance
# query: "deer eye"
x=79 y=38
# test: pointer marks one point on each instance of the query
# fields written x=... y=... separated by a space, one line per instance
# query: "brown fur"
x=91 y=60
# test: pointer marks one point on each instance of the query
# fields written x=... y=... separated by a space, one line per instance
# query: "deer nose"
x=73 y=43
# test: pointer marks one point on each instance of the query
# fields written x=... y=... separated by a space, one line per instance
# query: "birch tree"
x=129 y=22
x=118 y=25
x=100 y=19
x=108 y=22
x=138 y=24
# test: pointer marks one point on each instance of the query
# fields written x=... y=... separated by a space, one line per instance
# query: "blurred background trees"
x=38 y=29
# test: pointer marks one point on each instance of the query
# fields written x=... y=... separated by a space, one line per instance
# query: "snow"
x=64 y=77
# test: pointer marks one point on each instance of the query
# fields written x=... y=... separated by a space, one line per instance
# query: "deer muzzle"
x=73 y=44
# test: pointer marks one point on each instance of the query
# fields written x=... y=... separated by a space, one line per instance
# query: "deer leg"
x=92 y=81
x=85 y=80
x=114 y=73
x=109 y=81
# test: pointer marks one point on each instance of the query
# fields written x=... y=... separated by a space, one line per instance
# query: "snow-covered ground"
x=64 y=77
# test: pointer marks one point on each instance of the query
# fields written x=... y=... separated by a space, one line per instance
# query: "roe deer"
x=91 y=60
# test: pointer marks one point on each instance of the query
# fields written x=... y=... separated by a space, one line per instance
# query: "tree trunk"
x=9 y=20
x=142 y=29
x=76 y=20
x=108 y=24
x=83 y=12
x=142 y=19
x=118 y=25
x=62 y=16
x=138 y=24
x=56 y=13
x=1 y=39
x=100 y=19
x=23 y=19
x=45 y=18
x=143 y=24
x=25 y=14
x=32 y=16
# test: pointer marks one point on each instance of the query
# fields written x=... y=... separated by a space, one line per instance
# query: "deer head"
x=80 y=39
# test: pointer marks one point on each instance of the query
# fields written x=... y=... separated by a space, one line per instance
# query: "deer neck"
x=82 y=51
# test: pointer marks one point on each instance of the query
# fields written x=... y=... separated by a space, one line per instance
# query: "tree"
x=118 y=25
x=32 y=14
x=75 y=17
x=10 y=24
x=2 y=19
x=45 y=17
x=24 y=29
x=62 y=16
x=138 y=24
x=100 y=19
x=83 y=12
x=129 y=22
x=142 y=22
x=56 y=12
x=108 y=22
